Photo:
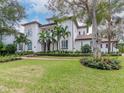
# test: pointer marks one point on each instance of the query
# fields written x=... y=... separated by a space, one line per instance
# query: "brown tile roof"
x=89 y=37
x=50 y=24
x=106 y=40
x=33 y=22
x=84 y=37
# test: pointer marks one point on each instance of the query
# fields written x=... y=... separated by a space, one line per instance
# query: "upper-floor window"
x=101 y=45
x=64 y=44
x=91 y=43
x=81 y=43
x=79 y=33
x=106 y=45
x=29 y=33
x=83 y=32
x=87 y=30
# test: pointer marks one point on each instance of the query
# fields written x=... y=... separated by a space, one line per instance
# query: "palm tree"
x=42 y=39
x=21 y=38
x=65 y=32
x=48 y=40
x=58 y=34
x=53 y=39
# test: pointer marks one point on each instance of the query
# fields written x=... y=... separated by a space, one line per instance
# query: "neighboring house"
x=8 y=39
x=80 y=35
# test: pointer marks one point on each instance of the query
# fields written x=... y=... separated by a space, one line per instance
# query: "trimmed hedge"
x=70 y=53
x=7 y=49
x=62 y=54
x=25 y=53
x=103 y=64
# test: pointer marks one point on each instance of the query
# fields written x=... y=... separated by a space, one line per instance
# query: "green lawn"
x=68 y=76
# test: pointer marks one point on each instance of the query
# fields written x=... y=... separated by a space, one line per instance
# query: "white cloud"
x=37 y=6
x=19 y=27
x=31 y=7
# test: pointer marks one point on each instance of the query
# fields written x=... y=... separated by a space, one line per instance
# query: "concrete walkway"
x=43 y=58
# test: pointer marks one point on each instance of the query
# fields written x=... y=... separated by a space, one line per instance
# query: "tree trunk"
x=48 y=45
x=44 y=45
x=109 y=43
x=95 y=40
x=57 y=45
x=53 y=46
x=109 y=29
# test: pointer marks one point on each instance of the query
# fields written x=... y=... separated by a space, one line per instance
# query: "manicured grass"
x=68 y=76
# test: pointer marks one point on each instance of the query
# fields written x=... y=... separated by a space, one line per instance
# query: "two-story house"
x=79 y=36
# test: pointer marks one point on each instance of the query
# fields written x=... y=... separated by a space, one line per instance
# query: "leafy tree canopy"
x=11 y=12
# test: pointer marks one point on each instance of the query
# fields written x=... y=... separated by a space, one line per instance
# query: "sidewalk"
x=42 y=58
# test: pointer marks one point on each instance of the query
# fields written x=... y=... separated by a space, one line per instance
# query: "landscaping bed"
x=9 y=58
x=103 y=63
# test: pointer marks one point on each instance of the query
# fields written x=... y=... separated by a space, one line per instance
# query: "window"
x=81 y=43
x=83 y=32
x=29 y=33
x=87 y=30
x=91 y=43
x=106 y=45
x=29 y=45
x=101 y=45
x=79 y=33
x=20 y=46
x=64 y=44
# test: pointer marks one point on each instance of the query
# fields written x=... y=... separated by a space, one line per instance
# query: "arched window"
x=29 y=45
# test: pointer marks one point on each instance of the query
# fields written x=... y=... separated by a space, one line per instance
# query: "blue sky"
x=35 y=10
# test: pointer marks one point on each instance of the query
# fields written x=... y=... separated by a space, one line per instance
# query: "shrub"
x=120 y=46
x=25 y=53
x=2 y=46
x=112 y=54
x=11 y=48
x=62 y=53
x=8 y=58
x=86 y=49
x=104 y=63
x=2 y=49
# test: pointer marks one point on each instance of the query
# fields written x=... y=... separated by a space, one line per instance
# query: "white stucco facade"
x=33 y=29
x=32 y=33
